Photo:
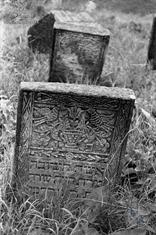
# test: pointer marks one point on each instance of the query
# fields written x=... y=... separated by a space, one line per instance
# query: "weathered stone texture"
x=78 y=52
x=62 y=16
x=40 y=35
x=73 y=134
x=76 y=43
x=151 y=57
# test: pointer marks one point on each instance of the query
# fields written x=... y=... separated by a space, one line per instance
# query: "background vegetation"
x=130 y=208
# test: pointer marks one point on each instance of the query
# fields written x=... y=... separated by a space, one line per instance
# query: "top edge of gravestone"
x=81 y=22
x=69 y=16
x=80 y=89
x=83 y=27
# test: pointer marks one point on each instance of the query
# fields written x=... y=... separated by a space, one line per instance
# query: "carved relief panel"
x=69 y=133
x=78 y=52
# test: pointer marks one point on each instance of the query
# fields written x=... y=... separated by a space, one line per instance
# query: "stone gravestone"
x=78 y=52
x=69 y=133
x=79 y=45
x=151 y=57
x=40 y=35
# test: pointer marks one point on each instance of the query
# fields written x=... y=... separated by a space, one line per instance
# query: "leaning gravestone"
x=76 y=43
x=78 y=52
x=68 y=133
x=40 y=35
x=151 y=57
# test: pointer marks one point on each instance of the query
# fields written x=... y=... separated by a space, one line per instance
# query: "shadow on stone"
x=40 y=35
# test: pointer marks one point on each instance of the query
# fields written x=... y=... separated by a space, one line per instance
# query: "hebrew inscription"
x=68 y=137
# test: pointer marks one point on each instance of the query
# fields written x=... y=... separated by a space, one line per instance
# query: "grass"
x=133 y=203
x=141 y=7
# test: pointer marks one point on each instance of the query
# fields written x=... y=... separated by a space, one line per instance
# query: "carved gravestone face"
x=73 y=134
x=78 y=52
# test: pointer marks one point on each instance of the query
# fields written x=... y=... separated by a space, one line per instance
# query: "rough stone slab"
x=40 y=35
x=86 y=28
x=151 y=56
x=73 y=134
x=78 y=52
x=62 y=16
